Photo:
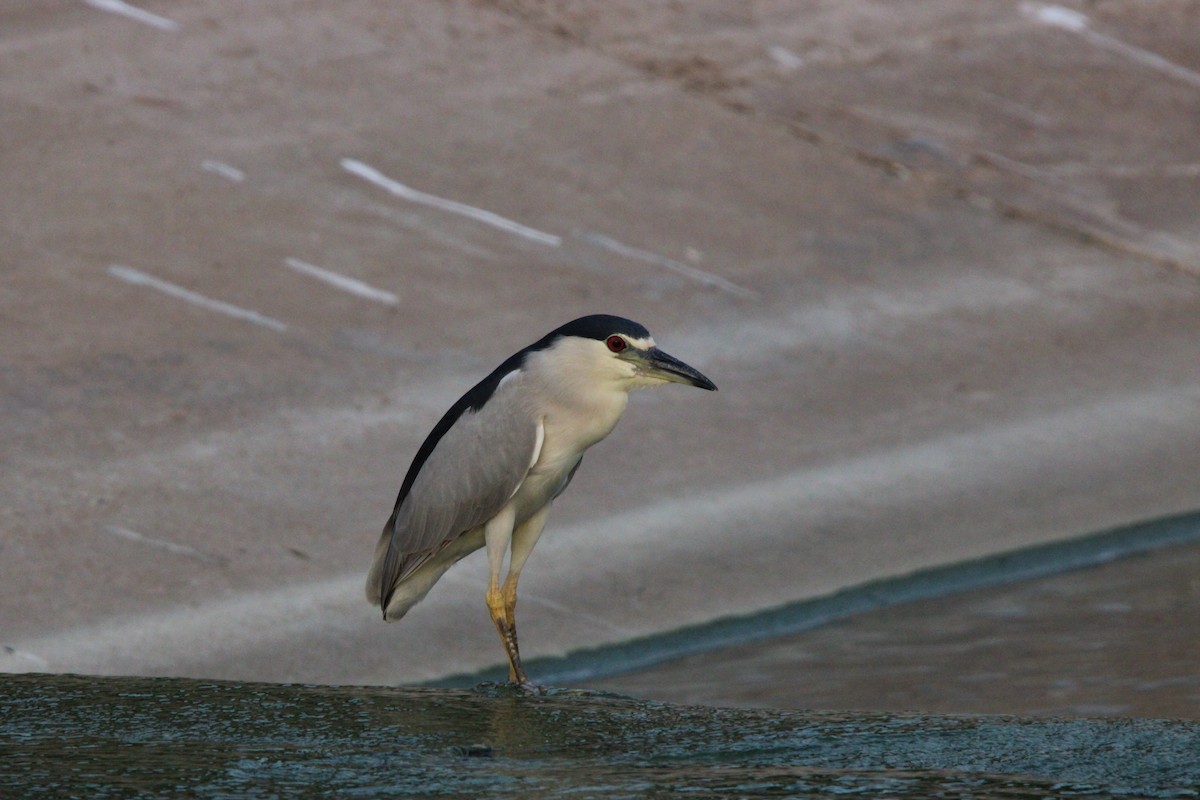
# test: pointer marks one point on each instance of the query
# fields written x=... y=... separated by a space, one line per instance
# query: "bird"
x=485 y=476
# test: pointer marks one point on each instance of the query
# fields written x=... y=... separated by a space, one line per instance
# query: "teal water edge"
x=64 y=736
x=998 y=570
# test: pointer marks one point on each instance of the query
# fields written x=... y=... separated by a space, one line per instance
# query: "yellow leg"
x=516 y=672
x=502 y=602
x=502 y=607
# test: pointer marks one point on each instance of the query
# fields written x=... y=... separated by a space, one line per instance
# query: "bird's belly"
x=567 y=434
x=538 y=489
x=549 y=474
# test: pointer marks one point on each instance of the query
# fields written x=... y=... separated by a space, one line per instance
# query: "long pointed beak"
x=669 y=368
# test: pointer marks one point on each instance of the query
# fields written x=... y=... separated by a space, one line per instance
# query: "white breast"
x=565 y=432
x=577 y=391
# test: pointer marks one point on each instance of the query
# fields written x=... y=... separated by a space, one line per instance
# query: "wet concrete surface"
x=1121 y=639
x=941 y=262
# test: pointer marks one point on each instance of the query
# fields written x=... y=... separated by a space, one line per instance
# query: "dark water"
x=71 y=736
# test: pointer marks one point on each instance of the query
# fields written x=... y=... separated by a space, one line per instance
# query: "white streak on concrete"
x=343 y=282
x=698 y=275
x=224 y=170
x=135 y=13
x=161 y=544
x=369 y=173
x=1073 y=21
x=138 y=278
x=413 y=222
x=1067 y=19
x=785 y=59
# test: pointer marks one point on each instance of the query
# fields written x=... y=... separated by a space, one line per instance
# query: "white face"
x=635 y=371
x=617 y=363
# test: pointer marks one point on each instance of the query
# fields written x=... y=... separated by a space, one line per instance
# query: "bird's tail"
x=374 y=585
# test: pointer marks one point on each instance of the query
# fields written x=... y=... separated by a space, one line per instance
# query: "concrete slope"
x=251 y=254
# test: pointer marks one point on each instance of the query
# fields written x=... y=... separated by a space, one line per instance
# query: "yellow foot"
x=530 y=688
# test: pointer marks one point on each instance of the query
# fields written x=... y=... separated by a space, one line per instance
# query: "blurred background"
x=941 y=257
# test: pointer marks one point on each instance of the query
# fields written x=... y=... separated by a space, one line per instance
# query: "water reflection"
x=71 y=736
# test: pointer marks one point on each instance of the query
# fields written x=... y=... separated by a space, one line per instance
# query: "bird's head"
x=607 y=347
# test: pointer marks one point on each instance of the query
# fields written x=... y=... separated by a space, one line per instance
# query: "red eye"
x=615 y=343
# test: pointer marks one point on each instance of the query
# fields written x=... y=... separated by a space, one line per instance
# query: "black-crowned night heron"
x=488 y=471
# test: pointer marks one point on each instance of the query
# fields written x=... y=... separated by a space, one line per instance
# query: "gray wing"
x=475 y=468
